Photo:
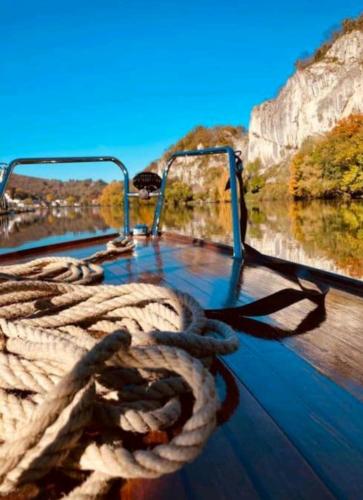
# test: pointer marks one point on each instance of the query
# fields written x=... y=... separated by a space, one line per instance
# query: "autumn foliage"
x=112 y=194
x=332 y=165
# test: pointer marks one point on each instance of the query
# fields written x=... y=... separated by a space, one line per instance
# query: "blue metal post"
x=237 y=244
x=6 y=171
x=161 y=198
x=126 y=205
x=74 y=159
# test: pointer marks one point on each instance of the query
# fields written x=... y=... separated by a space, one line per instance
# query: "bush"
x=347 y=26
x=178 y=192
x=254 y=180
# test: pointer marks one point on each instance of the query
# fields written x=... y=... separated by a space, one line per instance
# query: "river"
x=325 y=235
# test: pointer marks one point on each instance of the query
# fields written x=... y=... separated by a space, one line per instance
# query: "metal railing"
x=237 y=242
x=7 y=169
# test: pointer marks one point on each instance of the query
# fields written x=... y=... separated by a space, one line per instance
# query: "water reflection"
x=321 y=234
x=44 y=227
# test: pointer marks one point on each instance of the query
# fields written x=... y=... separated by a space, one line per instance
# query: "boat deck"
x=293 y=413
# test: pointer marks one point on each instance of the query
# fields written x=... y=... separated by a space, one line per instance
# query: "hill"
x=82 y=191
x=201 y=177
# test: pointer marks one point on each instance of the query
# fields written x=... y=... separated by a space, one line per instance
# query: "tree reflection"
x=321 y=234
x=332 y=230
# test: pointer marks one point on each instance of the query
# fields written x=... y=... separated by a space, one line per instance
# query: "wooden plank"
x=336 y=462
x=210 y=282
x=218 y=472
x=319 y=359
x=72 y=245
x=332 y=348
x=250 y=440
x=164 y=488
x=333 y=405
x=213 y=290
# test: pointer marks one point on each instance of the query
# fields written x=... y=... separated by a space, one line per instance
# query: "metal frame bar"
x=8 y=169
x=137 y=195
x=237 y=243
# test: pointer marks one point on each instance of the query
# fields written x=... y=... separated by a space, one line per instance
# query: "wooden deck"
x=293 y=413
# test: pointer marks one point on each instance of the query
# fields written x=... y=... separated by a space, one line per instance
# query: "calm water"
x=325 y=235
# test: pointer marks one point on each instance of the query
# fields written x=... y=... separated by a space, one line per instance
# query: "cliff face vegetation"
x=211 y=136
x=332 y=165
x=347 y=26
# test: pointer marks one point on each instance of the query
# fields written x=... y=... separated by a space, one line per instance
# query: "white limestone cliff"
x=310 y=103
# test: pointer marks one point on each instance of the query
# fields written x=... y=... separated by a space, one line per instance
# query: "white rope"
x=66 y=269
x=75 y=358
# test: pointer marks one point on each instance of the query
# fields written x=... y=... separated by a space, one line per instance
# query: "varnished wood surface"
x=293 y=419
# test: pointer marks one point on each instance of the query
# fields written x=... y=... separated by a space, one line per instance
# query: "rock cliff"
x=310 y=103
x=202 y=170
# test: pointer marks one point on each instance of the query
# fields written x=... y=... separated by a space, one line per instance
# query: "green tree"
x=178 y=192
x=254 y=179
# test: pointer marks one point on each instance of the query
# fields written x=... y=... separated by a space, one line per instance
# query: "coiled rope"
x=82 y=367
x=66 y=269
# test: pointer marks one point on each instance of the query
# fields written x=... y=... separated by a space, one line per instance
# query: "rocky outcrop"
x=310 y=103
x=197 y=171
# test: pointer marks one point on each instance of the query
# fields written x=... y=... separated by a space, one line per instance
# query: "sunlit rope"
x=113 y=358
x=67 y=269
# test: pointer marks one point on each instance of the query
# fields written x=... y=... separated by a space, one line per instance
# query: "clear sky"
x=129 y=77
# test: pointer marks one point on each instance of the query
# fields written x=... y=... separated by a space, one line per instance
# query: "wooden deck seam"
x=279 y=429
x=296 y=428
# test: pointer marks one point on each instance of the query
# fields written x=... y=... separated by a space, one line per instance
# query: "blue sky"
x=129 y=78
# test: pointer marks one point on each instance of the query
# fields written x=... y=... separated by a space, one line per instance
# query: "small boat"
x=290 y=421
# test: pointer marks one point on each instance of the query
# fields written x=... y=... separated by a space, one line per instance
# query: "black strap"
x=242 y=204
x=237 y=316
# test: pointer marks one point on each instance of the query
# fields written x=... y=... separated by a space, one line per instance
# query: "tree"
x=71 y=200
x=330 y=166
x=347 y=26
x=178 y=192
x=255 y=181
x=112 y=194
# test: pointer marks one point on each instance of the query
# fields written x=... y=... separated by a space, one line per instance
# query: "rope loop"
x=81 y=366
x=67 y=269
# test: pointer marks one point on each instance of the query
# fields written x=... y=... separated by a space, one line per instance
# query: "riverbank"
x=14 y=211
